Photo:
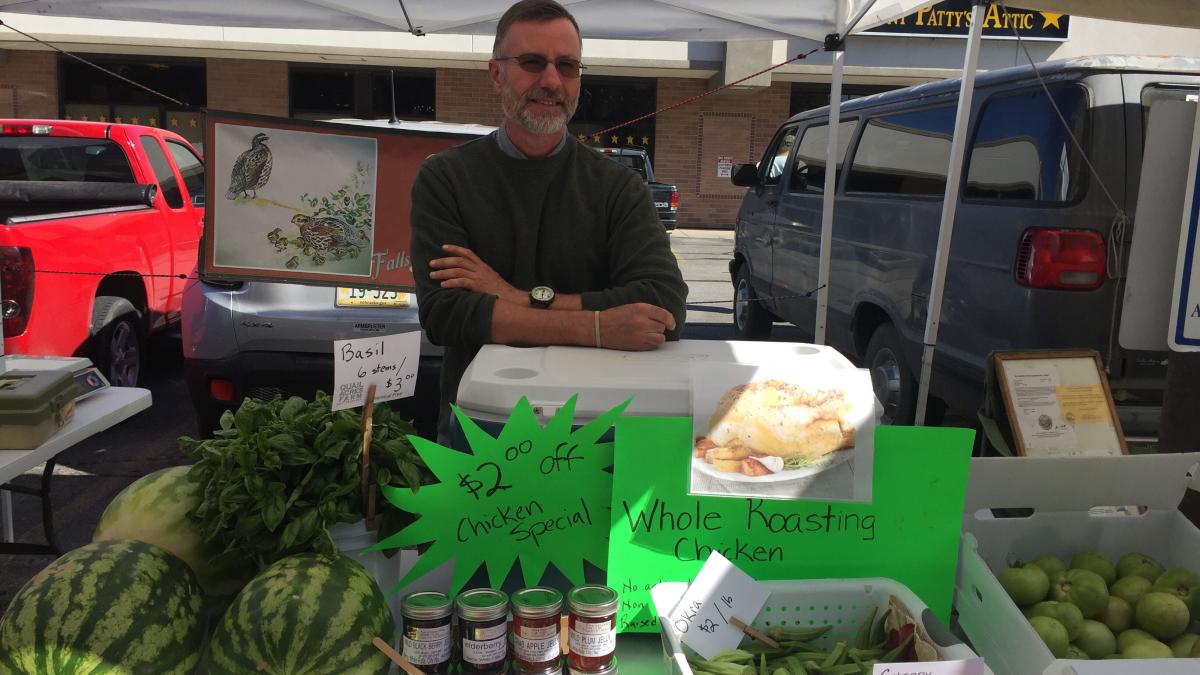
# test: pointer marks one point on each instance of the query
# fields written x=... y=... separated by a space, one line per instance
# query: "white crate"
x=840 y=603
x=1062 y=491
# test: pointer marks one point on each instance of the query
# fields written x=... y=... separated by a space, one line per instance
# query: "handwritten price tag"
x=720 y=592
x=387 y=361
x=967 y=667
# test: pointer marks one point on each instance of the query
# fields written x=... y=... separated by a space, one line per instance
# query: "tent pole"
x=950 y=204
x=835 y=45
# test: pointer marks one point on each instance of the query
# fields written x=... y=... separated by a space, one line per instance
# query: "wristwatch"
x=541 y=296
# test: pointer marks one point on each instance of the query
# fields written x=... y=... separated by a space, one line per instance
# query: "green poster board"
x=909 y=533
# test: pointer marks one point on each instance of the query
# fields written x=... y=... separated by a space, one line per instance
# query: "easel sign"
x=1184 y=332
x=1059 y=404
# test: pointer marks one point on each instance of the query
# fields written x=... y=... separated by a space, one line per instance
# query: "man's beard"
x=516 y=108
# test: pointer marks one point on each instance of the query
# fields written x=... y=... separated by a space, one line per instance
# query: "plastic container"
x=1064 y=524
x=34 y=404
x=841 y=603
x=353 y=539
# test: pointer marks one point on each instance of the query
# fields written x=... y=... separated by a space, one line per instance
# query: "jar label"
x=427 y=646
x=537 y=644
x=489 y=646
x=592 y=639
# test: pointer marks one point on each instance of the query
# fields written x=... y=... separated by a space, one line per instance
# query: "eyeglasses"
x=536 y=63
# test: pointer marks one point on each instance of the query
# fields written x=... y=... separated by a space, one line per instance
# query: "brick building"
x=315 y=74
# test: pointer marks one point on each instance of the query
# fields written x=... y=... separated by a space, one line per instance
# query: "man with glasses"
x=528 y=237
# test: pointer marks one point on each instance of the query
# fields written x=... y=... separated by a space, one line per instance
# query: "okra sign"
x=909 y=532
x=536 y=494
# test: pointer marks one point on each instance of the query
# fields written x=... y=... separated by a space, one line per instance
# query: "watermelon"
x=306 y=613
x=154 y=509
x=112 y=607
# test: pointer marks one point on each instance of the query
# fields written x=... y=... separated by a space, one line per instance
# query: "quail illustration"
x=324 y=234
x=251 y=170
x=274 y=237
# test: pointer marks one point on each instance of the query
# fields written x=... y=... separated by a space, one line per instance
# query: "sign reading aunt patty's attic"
x=952 y=18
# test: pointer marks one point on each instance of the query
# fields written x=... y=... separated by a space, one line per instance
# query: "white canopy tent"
x=690 y=20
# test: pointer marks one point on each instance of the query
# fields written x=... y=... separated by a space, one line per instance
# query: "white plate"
x=829 y=462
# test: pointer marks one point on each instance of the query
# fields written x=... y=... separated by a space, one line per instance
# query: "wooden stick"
x=367 y=492
x=753 y=632
x=392 y=654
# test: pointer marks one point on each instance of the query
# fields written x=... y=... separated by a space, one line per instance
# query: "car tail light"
x=1062 y=259
x=25 y=130
x=16 y=288
x=674 y=200
x=222 y=390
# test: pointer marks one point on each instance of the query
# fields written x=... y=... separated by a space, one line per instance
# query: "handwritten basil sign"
x=537 y=495
x=909 y=532
x=387 y=361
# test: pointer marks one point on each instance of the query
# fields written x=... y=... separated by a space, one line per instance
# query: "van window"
x=167 y=183
x=1021 y=152
x=775 y=161
x=808 y=171
x=905 y=154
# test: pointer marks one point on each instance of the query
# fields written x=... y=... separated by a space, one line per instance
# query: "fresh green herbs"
x=279 y=473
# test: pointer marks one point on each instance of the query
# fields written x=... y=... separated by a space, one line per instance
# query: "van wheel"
x=116 y=347
x=892 y=380
x=751 y=321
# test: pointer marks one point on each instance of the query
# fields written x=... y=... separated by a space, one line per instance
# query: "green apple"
x=1053 y=633
x=1131 y=589
x=1182 y=582
x=1182 y=645
x=1163 y=615
x=1097 y=562
x=1147 y=649
x=1118 y=615
x=1128 y=637
x=1138 y=564
x=1050 y=564
x=1025 y=585
x=1066 y=613
x=1096 y=639
x=1082 y=588
x=1074 y=652
x=1195 y=650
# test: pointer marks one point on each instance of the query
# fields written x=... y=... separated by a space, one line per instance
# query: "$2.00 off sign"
x=535 y=494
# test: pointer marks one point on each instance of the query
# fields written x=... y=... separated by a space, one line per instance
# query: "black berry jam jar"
x=427 y=630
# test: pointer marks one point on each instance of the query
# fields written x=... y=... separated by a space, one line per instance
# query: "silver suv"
x=262 y=339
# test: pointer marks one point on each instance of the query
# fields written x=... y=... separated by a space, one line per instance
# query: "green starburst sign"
x=537 y=495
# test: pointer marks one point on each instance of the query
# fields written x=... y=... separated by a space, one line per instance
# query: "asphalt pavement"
x=92 y=472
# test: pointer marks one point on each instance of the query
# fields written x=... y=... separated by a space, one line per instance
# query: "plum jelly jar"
x=592 y=629
x=537 y=631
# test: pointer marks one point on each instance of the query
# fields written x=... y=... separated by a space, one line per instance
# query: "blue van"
x=1036 y=261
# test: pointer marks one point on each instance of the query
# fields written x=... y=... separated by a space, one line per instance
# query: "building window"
x=88 y=94
x=809 y=96
x=606 y=101
x=332 y=92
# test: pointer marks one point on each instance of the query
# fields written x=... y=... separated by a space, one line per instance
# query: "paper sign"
x=724 y=166
x=387 y=361
x=537 y=495
x=909 y=533
x=1184 y=332
x=719 y=593
x=967 y=667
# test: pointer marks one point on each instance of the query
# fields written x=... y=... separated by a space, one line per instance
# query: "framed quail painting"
x=312 y=202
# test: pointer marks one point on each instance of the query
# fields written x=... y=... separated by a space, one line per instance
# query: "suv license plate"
x=370 y=297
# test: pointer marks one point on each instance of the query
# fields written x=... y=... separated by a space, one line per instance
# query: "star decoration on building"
x=582 y=138
x=595 y=138
x=615 y=140
x=117 y=119
x=103 y=118
x=135 y=120
x=192 y=123
x=68 y=117
x=629 y=140
x=83 y=118
x=1051 y=19
x=153 y=121
x=645 y=140
x=174 y=122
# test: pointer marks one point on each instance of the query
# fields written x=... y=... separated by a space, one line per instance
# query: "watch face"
x=542 y=294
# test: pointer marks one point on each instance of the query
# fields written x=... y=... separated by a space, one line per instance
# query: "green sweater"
x=575 y=221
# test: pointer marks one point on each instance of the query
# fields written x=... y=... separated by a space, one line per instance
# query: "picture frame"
x=1059 y=403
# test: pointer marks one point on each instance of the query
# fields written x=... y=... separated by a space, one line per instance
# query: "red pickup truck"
x=99 y=225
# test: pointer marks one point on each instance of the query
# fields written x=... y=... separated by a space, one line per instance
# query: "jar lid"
x=482 y=604
x=538 y=602
x=592 y=600
x=425 y=605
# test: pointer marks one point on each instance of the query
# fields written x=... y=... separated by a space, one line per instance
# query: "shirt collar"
x=509 y=148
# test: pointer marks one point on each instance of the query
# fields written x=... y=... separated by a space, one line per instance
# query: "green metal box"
x=33 y=405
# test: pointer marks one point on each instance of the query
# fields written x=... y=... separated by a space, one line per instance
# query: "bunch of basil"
x=279 y=473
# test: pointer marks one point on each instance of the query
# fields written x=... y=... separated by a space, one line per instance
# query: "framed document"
x=1059 y=404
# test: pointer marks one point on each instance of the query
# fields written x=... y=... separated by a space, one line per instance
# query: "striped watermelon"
x=113 y=607
x=306 y=613
x=154 y=509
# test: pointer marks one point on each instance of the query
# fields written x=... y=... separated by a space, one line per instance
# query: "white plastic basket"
x=840 y=603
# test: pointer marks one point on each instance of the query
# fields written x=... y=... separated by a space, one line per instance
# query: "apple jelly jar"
x=592 y=629
x=483 y=627
x=537 y=631
x=427 y=630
